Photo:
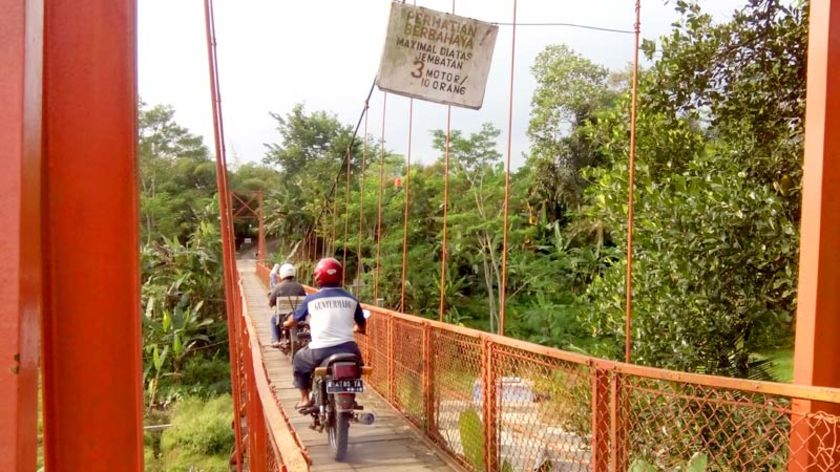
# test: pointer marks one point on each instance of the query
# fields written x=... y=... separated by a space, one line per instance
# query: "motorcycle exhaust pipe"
x=365 y=418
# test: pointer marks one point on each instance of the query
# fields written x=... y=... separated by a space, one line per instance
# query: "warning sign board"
x=436 y=56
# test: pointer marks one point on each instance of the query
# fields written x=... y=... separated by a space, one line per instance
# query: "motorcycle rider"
x=287 y=287
x=334 y=315
x=272 y=277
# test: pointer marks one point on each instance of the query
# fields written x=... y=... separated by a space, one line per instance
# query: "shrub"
x=199 y=428
x=175 y=461
x=211 y=374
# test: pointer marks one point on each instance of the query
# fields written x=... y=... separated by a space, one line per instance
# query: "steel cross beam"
x=256 y=213
x=245 y=205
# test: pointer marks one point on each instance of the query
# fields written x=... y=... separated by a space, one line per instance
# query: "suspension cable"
x=570 y=25
x=442 y=307
x=407 y=202
x=503 y=288
x=226 y=230
x=324 y=239
x=346 y=216
x=379 y=204
x=329 y=196
x=334 y=225
x=631 y=184
x=362 y=203
x=407 y=199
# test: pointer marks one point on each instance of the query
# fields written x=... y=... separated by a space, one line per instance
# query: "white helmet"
x=275 y=268
x=287 y=270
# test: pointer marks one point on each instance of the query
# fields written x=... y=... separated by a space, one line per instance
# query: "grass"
x=199 y=440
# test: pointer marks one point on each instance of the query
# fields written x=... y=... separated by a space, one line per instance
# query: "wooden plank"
x=389 y=444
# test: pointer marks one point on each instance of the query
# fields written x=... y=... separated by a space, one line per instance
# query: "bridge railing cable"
x=231 y=305
x=268 y=445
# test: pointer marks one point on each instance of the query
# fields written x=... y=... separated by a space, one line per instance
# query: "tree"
x=176 y=174
x=310 y=159
x=312 y=144
x=570 y=90
x=714 y=269
x=715 y=245
x=182 y=296
x=743 y=79
x=479 y=176
x=256 y=177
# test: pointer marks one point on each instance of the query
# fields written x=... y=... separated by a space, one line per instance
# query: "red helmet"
x=328 y=272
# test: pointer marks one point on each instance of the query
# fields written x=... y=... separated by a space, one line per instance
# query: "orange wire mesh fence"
x=271 y=442
x=500 y=404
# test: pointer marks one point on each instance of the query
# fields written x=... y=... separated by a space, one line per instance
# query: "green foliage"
x=206 y=377
x=565 y=398
x=471 y=432
x=252 y=176
x=200 y=427
x=410 y=395
x=714 y=268
x=184 y=328
x=177 y=177
x=181 y=295
x=182 y=305
x=570 y=90
x=310 y=153
x=200 y=437
x=754 y=100
x=697 y=463
x=716 y=241
x=717 y=188
x=781 y=361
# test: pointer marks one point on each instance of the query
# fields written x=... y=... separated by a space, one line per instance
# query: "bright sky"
x=325 y=53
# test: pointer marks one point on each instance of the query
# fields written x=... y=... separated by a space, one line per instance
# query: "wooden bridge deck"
x=389 y=444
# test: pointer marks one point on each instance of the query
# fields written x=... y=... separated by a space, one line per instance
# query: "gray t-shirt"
x=286 y=288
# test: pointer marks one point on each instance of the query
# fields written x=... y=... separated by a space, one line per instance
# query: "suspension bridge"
x=449 y=397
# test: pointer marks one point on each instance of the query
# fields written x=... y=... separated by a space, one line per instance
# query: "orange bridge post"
x=818 y=311
x=93 y=404
x=21 y=24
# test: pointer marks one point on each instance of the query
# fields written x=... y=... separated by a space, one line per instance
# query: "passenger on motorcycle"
x=287 y=287
x=334 y=315
x=272 y=277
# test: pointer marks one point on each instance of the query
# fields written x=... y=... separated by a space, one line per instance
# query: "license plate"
x=345 y=386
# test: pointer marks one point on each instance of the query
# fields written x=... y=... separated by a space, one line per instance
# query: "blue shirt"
x=331 y=312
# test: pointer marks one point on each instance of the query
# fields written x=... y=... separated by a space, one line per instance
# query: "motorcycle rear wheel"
x=337 y=434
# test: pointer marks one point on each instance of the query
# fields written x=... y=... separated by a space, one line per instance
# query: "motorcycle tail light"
x=345 y=370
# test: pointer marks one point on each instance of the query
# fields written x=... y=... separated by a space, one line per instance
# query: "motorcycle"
x=293 y=339
x=334 y=387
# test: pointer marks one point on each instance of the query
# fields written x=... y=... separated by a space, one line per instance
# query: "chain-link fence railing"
x=271 y=443
x=498 y=404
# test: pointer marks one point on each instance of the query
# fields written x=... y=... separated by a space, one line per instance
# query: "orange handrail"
x=536 y=403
